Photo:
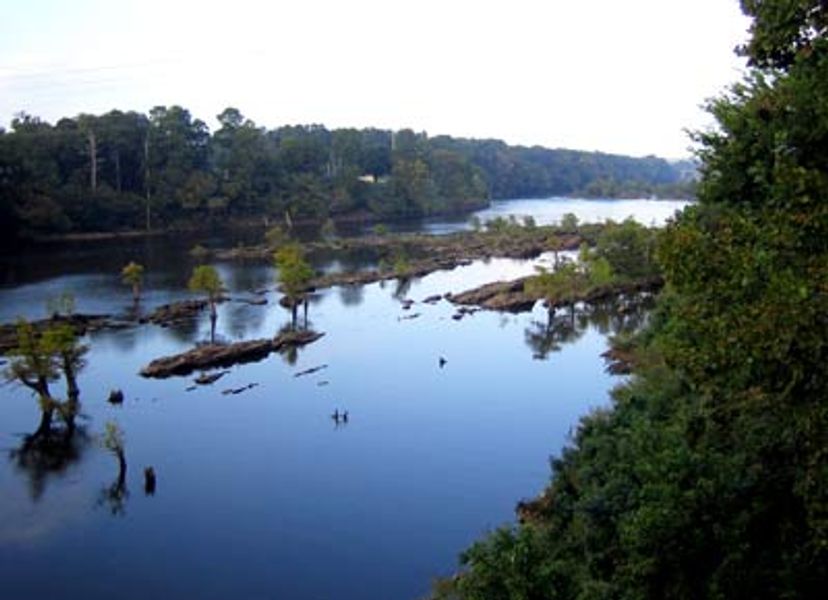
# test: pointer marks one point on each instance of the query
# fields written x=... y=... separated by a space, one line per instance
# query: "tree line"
x=130 y=171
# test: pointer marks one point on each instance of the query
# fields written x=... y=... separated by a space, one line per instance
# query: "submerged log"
x=310 y=371
x=218 y=355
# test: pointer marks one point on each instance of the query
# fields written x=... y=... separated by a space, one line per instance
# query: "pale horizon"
x=599 y=76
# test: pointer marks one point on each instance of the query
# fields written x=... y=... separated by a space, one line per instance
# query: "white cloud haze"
x=624 y=77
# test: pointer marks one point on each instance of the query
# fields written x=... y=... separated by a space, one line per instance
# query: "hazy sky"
x=623 y=76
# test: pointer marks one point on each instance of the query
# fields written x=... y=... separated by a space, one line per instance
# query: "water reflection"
x=252 y=279
x=242 y=319
x=545 y=338
x=339 y=501
x=615 y=316
x=43 y=458
x=402 y=285
x=114 y=496
x=351 y=295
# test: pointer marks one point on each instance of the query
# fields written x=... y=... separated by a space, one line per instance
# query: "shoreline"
x=358 y=218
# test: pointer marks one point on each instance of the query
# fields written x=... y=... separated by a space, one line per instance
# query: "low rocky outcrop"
x=220 y=355
x=175 y=312
x=512 y=296
x=425 y=253
x=507 y=296
x=81 y=324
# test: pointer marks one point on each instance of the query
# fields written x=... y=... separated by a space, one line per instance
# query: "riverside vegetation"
x=127 y=171
x=707 y=477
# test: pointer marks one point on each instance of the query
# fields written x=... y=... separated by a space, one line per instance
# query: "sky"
x=616 y=76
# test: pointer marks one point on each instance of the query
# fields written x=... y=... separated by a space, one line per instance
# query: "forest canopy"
x=130 y=171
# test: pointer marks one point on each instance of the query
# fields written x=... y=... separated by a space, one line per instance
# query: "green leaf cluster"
x=205 y=279
x=294 y=272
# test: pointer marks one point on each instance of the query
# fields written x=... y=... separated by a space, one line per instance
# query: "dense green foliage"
x=622 y=253
x=708 y=475
x=133 y=171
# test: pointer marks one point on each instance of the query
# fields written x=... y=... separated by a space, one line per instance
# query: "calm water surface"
x=548 y=211
x=261 y=494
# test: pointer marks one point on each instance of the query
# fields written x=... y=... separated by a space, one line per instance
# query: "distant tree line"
x=128 y=170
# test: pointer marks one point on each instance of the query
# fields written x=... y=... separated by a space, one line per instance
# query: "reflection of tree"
x=115 y=494
x=623 y=314
x=183 y=330
x=290 y=353
x=351 y=295
x=43 y=457
x=551 y=336
x=243 y=318
x=41 y=357
x=249 y=278
x=402 y=287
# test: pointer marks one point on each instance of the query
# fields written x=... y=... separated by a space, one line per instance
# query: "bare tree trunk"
x=306 y=311
x=45 y=426
x=551 y=313
x=73 y=399
x=213 y=318
x=122 y=469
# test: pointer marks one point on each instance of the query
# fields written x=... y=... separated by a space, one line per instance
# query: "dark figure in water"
x=443 y=362
x=149 y=481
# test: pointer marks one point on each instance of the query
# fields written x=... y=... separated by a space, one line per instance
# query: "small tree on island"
x=38 y=359
x=133 y=275
x=561 y=285
x=205 y=279
x=294 y=276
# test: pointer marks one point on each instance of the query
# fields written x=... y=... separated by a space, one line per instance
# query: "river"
x=261 y=494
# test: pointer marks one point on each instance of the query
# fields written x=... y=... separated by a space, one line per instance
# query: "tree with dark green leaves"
x=128 y=171
x=708 y=475
x=629 y=249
